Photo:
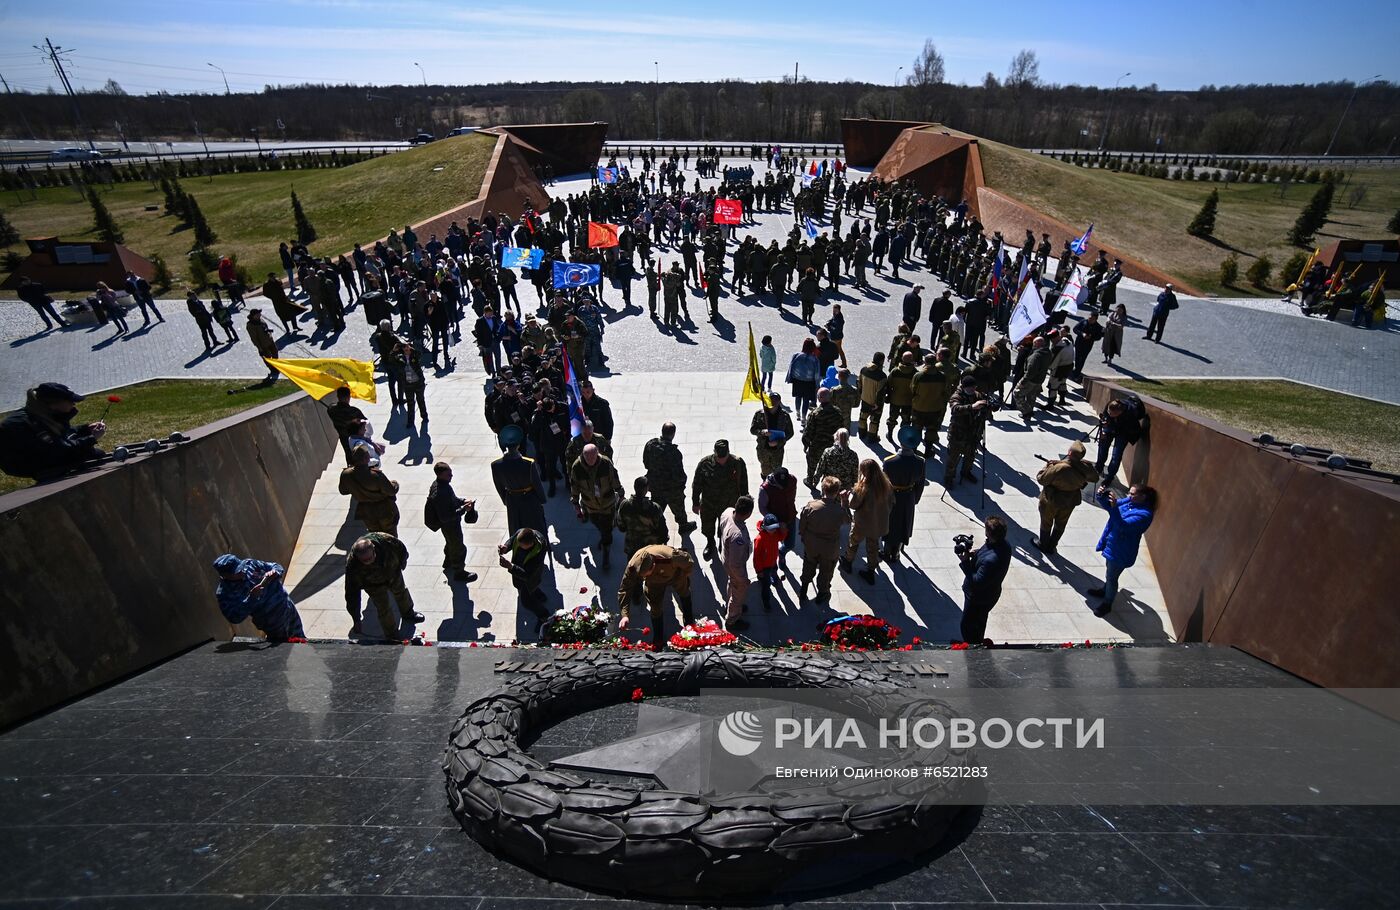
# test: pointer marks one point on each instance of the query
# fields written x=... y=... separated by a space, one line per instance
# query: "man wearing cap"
x=1029 y=386
x=375 y=496
x=597 y=409
x=772 y=428
x=641 y=520
x=595 y=490
x=969 y=411
x=375 y=566
x=905 y=470
x=818 y=432
x=39 y=440
x=665 y=466
x=253 y=588
x=261 y=336
x=872 y=400
x=720 y=479
x=650 y=572
x=517 y=480
x=1061 y=485
x=930 y=389
x=1108 y=287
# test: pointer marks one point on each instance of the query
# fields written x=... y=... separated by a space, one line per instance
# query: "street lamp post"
x=225 y=75
x=1345 y=110
x=1108 y=120
x=656 y=99
x=423 y=74
x=897 y=71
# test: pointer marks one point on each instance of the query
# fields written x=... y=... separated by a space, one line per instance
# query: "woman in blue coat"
x=1129 y=517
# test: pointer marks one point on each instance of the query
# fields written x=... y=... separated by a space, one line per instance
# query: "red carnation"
x=114 y=399
x=638 y=695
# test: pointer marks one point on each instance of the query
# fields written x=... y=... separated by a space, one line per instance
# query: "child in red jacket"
x=771 y=533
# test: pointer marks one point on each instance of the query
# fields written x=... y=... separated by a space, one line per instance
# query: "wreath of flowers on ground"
x=860 y=633
x=582 y=625
x=702 y=634
x=664 y=843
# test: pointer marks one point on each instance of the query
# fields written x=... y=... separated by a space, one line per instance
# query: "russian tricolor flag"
x=574 y=395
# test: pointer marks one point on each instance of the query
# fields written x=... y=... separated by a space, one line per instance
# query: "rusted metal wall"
x=1278 y=557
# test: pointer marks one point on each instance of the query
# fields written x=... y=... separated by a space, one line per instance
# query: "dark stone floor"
x=307 y=777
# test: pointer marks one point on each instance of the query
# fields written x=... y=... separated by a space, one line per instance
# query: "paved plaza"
x=692 y=375
x=1043 y=599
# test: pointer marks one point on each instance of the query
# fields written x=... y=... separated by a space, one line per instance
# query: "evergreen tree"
x=204 y=235
x=168 y=192
x=1230 y=270
x=306 y=231
x=8 y=233
x=1313 y=216
x=1203 y=225
x=1259 y=271
x=102 y=220
x=1394 y=224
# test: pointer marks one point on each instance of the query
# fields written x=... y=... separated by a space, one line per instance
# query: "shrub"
x=1393 y=225
x=12 y=260
x=102 y=220
x=1259 y=272
x=199 y=272
x=8 y=232
x=1230 y=270
x=204 y=235
x=1293 y=268
x=1313 y=216
x=1203 y=225
x=162 y=279
x=306 y=232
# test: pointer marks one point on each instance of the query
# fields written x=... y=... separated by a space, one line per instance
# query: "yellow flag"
x=1317 y=251
x=319 y=377
x=1376 y=302
x=753 y=388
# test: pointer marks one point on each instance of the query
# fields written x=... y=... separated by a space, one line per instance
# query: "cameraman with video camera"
x=1123 y=423
x=984 y=569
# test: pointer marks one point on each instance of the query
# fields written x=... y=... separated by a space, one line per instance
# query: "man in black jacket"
x=447 y=510
x=984 y=569
x=40 y=442
x=33 y=293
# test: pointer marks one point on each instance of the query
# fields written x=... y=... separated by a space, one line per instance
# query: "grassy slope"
x=155 y=409
x=1147 y=217
x=1294 y=413
x=252 y=213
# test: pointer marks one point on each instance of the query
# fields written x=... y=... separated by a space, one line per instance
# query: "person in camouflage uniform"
x=931 y=387
x=375 y=566
x=1033 y=379
x=673 y=287
x=898 y=392
x=845 y=395
x=595 y=491
x=966 y=425
x=666 y=476
x=820 y=428
x=641 y=520
x=585 y=437
x=720 y=479
x=650 y=572
x=872 y=400
x=772 y=428
x=839 y=461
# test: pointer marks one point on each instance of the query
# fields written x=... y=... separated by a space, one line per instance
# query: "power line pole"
x=23 y=119
x=53 y=54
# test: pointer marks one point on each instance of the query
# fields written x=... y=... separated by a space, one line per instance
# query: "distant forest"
x=1235 y=120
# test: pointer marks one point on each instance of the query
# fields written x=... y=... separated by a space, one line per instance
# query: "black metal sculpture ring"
x=663 y=843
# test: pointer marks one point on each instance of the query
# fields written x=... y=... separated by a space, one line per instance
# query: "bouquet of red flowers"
x=860 y=633
x=704 y=633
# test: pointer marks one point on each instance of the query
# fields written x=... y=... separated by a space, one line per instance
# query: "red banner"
x=601 y=235
x=728 y=211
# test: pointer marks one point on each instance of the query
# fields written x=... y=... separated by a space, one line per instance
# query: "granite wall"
x=1276 y=556
x=109 y=572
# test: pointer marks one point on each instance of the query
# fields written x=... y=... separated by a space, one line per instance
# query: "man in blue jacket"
x=1129 y=518
x=251 y=587
x=984 y=569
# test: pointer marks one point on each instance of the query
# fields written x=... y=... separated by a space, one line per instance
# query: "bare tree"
x=928 y=66
x=1024 y=71
x=113 y=87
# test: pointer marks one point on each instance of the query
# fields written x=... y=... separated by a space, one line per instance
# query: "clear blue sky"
x=148 y=46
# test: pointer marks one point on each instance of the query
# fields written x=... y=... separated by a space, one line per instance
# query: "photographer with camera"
x=984 y=569
x=1123 y=423
x=1129 y=517
x=968 y=410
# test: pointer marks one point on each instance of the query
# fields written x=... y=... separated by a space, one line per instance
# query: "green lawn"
x=1352 y=426
x=252 y=213
x=1147 y=217
x=155 y=409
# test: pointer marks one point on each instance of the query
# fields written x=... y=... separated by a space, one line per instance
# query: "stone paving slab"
x=1043 y=600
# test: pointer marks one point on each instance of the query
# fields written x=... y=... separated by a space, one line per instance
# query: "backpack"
x=430 y=512
x=1137 y=417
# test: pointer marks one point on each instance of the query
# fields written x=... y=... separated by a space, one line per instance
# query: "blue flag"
x=519 y=257
x=811 y=227
x=607 y=175
x=1078 y=247
x=576 y=274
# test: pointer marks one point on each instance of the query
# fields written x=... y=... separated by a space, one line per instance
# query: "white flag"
x=1073 y=291
x=1028 y=316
